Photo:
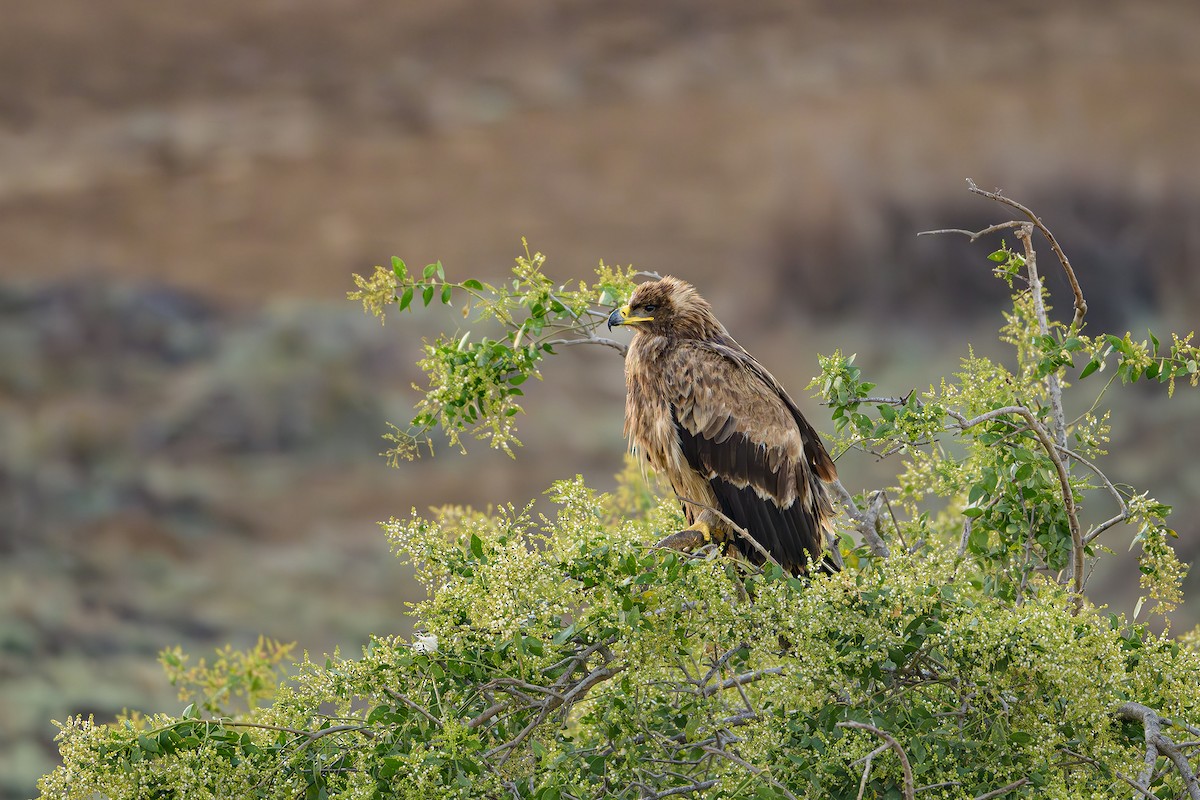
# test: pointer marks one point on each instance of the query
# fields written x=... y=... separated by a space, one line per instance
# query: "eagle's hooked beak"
x=621 y=317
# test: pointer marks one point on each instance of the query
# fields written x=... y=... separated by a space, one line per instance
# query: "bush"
x=956 y=655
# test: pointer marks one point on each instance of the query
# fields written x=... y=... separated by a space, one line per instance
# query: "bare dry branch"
x=973 y=235
x=1053 y=385
x=721 y=662
x=1120 y=516
x=1080 y=303
x=415 y=707
x=733 y=527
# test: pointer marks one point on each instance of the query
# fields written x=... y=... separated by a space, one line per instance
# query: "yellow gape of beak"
x=622 y=317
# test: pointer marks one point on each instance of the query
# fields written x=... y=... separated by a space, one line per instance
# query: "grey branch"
x=866 y=522
x=1105 y=768
x=1053 y=385
x=731 y=526
x=1157 y=742
x=973 y=235
x=591 y=339
x=909 y=791
x=741 y=680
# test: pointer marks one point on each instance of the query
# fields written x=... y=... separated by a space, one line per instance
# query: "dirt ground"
x=780 y=155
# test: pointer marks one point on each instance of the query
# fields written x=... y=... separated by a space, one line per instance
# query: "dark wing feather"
x=740 y=431
x=789 y=534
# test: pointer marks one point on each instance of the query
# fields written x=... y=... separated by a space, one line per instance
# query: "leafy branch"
x=474 y=376
x=1023 y=458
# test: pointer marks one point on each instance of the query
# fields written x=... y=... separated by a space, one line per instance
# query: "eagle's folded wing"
x=742 y=433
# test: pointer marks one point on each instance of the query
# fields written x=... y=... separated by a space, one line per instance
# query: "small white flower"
x=425 y=643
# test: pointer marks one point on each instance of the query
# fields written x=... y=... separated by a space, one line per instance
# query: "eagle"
x=709 y=417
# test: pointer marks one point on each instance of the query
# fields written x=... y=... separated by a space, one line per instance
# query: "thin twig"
x=720 y=662
x=695 y=787
x=1064 y=481
x=414 y=706
x=973 y=235
x=1003 y=790
x=1080 y=303
x=1121 y=516
x=738 y=529
x=909 y=791
x=758 y=772
x=740 y=680
x=1105 y=769
x=1053 y=385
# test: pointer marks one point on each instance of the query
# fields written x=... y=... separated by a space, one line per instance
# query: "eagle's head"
x=668 y=307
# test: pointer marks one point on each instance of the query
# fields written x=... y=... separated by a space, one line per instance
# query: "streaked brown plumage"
x=705 y=414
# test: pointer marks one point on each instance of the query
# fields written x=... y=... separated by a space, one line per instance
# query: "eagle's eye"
x=649 y=308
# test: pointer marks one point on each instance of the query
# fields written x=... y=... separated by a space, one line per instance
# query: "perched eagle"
x=708 y=416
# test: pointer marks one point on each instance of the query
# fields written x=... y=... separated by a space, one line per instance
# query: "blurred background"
x=190 y=410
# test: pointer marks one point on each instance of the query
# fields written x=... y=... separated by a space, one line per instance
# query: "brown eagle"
x=704 y=413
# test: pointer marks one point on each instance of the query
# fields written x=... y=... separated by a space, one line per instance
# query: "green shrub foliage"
x=956 y=656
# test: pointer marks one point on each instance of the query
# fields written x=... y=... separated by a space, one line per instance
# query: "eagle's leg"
x=707 y=528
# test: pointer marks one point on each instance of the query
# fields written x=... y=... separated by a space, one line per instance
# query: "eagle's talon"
x=699 y=533
x=684 y=541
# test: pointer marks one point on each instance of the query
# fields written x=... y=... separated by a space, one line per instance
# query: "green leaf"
x=441 y=273
x=476 y=547
x=429 y=270
x=406 y=297
x=998 y=256
x=447 y=292
x=399 y=268
x=1091 y=367
x=471 y=283
x=427 y=294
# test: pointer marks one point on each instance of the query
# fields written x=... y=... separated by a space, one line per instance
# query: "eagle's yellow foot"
x=704 y=530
